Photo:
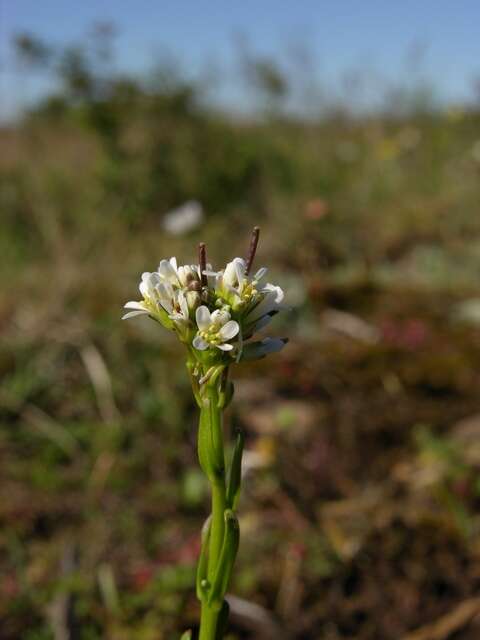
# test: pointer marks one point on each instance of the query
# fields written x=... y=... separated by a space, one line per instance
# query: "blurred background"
x=351 y=134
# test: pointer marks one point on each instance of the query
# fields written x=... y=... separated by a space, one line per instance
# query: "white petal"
x=203 y=317
x=148 y=284
x=260 y=274
x=166 y=270
x=229 y=330
x=273 y=296
x=240 y=268
x=132 y=314
x=135 y=305
x=219 y=317
x=225 y=347
x=234 y=272
x=144 y=284
x=213 y=277
x=200 y=344
x=181 y=275
x=275 y=289
x=232 y=291
x=165 y=295
x=173 y=262
x=183 y=304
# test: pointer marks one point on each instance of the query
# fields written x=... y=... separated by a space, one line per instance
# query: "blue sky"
x=340 y=35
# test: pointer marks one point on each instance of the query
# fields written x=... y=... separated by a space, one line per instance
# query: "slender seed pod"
x=252 y=249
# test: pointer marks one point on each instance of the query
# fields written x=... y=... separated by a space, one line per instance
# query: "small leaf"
x=225 y=397
x=187 y=635
x=235 y=475
x=202 y=561
x=227 y=558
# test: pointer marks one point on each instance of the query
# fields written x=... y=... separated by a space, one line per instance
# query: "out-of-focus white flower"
x=214 y=329
x=184 y=218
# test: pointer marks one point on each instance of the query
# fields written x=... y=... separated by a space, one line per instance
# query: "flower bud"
x=187 y=275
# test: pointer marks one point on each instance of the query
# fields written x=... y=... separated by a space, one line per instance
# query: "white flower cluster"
x=212 y=312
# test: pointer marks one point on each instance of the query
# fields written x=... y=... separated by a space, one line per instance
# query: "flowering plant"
x=214 y=314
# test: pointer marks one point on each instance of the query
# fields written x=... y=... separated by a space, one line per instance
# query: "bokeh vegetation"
x=360 y=515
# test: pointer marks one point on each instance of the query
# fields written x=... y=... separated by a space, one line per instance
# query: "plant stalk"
x=213 y=415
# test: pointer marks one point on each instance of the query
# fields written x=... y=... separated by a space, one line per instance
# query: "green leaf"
x=203 y=561
x=228 y=554
x=235 y=475
x=187 y=635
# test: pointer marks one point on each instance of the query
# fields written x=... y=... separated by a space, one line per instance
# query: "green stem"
x=218 y=527
x=213 y=415
x=208 y=623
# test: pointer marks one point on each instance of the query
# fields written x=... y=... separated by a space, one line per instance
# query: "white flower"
x=167 y=270
x=160 y=300
x=150 y=303
x=214 y=329
x=184 y=218
x=269 y=303
x=221 y=311
x=235 y=287
x=140 y=309
x=173 y=301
